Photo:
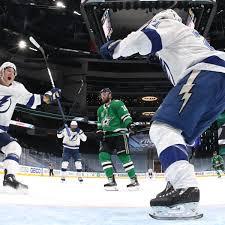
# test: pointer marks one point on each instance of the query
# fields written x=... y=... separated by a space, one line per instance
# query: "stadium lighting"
x=148 y=113
x=60 y=4
x=22 y=44
x=149 y=98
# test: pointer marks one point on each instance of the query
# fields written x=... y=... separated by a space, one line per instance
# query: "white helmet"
x=8 y=64
x=73 y=123
x=167 y=14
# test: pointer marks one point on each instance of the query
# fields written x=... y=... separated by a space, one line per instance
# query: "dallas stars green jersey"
x=217 y=160
x=114 y=117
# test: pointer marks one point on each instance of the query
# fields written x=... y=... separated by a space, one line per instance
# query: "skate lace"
x=168 y=193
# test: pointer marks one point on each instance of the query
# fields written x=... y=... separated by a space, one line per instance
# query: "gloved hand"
x=100 y=135
x=132 y=129
x=52 y=95
x=60 y=130
x=107 y=49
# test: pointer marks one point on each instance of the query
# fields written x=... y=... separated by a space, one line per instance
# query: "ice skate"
x=111 y=185
x=180 y=204
x=134 y=185
x=10 y=181
x=80 y=179
x=168 y=188
x=63 y=179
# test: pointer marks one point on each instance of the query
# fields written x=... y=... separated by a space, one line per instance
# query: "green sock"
x=105 y=159
x=127 y=164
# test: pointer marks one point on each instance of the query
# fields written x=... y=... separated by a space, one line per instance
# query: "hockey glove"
x=60 y=130
x=108 y=48
x=52 y=95
x=132 y=129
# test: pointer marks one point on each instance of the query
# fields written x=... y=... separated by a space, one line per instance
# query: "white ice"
x=50 y=202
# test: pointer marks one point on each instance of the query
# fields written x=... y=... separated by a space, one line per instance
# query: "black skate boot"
x=63 y=179
x=134 y=185
x=112 y=185
x=168 y=188
x=80 y=179
x=10 y=180
x=176 y=204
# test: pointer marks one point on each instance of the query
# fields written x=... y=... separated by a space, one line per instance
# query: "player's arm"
x=82 y=135
x=123 y=113
x=221 y=159
x=99 y=132
x=149 y=40
x=33 y=100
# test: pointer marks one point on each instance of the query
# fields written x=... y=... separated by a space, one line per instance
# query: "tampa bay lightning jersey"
x=181 y=49
x=12 y=95
x=72 y=141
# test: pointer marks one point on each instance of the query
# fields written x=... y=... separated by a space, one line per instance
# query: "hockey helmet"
x=73 y=123
x=167 y=14
x=8 y=64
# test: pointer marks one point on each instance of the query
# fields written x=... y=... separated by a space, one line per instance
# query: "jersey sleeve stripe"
x=155 y=39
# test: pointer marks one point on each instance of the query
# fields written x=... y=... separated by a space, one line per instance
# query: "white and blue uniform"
x=197 y=72
x=71 y=146
x=16 y=93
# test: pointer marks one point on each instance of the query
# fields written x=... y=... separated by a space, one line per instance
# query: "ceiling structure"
x=71 y=37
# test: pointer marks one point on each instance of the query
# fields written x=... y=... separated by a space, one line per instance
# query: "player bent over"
x=71 y=146
x=12 y=93
x=197 y=72
x=114 y=120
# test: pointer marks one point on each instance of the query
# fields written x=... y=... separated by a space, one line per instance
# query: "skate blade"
x=136 y=188
x=177 y=212
x=111 y=188
x=176 y=218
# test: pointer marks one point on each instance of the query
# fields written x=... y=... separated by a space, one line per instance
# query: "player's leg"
x=183 y=116
x=12 y=151
x=222 y=168
x=123 y=153
x=218 y=172
x=65 y=162
x=78 y=164
x=105 y=153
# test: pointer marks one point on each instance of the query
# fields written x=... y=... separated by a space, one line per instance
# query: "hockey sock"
x=105 y=159
x=11 y=163
x=127 y=164
x=218 y=173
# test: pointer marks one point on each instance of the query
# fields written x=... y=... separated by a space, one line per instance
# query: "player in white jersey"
x=71 y=146
x=12 y=93
x=197 y=72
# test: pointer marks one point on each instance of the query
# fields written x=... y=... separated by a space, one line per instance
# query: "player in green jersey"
x=217 y=163
x=114 y=121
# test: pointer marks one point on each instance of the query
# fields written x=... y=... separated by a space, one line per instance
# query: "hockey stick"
x=34 y=42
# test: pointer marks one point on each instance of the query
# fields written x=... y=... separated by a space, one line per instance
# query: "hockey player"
x=11 y=93
x=71 y=146
x=150 y=173
x=197 y=72
x=217 y=163
x=114 y=120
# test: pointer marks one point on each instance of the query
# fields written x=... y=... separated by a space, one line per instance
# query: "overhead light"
x=148 y=113
x=22 y=44
x=77 y=13
x=60 y=4
x=149 y=98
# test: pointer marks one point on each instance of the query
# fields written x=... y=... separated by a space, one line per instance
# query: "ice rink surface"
x=50 y=202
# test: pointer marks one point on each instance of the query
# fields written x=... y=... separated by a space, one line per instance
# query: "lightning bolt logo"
x=5 y=103
x=185 y=90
